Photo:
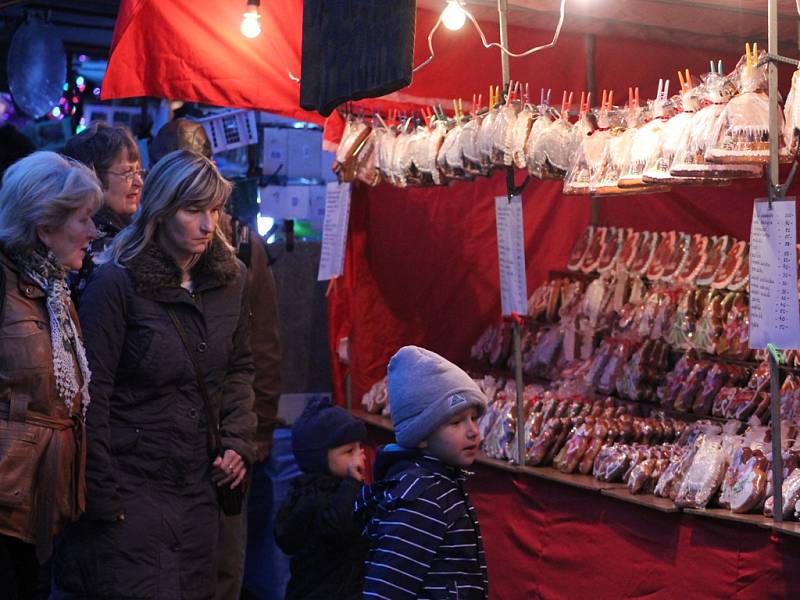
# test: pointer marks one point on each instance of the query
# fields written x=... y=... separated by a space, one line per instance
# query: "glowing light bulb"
x=251 y=28
x=453 y=16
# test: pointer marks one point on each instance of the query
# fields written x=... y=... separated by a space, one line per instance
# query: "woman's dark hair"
x=100 y=145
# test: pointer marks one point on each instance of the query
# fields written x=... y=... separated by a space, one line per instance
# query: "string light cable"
x=487 y=44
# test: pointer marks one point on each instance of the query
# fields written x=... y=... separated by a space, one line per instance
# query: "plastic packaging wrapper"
x=586 y=162
x=791 y=112
x=690 y=159
x=555 y=146
x=376 y=400
x=645 y=149
x=580 y=248
x=502 y=135
x=353 y=137
x=367 y=164
x=695 y=260
x=791 y=495
x=519 y=135
x=741 y=133
x=470 y=148
x=486 y=139
x=535 y=158
x=705 y=474
x=385 y=139
x=657 y=168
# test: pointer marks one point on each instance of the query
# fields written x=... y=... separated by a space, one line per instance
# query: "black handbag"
x=230 y=500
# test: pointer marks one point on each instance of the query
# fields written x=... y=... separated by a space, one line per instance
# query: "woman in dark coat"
x=152 y=514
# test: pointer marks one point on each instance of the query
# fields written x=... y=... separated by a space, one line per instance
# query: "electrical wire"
x=488 y=45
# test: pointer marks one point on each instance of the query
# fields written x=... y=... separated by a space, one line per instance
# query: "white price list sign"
x=774 y=312
x=511 y=250
x=334 y=230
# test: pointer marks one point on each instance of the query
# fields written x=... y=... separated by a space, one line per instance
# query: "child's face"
x=456 y=442
x=348 y=460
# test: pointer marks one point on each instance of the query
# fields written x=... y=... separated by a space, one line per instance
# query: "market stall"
x=422 y=268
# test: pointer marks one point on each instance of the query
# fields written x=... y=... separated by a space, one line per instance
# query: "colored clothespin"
x=427 y=114
x=633 y=98
x=527 y=93
x=566 y=105
x=586 y=103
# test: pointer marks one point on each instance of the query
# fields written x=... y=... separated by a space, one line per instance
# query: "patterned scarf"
x=42 y=267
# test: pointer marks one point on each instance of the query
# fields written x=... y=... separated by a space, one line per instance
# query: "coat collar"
x=108 y=222
x=26 y=286
x=156 y=275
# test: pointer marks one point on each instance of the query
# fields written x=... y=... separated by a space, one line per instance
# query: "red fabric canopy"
x=193 y=50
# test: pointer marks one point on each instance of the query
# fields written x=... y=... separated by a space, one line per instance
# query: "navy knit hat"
x=323 y=426
x=425 y=390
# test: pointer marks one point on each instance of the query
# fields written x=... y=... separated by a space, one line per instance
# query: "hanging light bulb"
x=453 y=15
x=251 y=27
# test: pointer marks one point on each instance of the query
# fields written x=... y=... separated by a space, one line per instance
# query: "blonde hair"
x=179 y=180
x=43 y=190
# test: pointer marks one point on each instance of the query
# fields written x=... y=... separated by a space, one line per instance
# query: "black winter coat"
x=317 y=526
x=148 y=444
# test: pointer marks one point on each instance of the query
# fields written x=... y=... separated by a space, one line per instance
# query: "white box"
x=286 y=202
x=304 y=154
x=275 y=155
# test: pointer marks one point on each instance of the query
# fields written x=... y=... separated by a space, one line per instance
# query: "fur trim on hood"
x=154 y=271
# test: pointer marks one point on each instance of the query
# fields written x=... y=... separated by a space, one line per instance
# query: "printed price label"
x=774 y=311
x=334 y=230
x=511 y=252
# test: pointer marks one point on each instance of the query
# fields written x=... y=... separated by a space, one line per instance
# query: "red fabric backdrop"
x=548 y=541
x=422 y=267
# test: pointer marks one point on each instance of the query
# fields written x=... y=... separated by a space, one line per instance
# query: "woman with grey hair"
x=46 y=208
x=166 y=322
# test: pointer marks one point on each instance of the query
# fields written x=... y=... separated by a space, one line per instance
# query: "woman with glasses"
x=112 y=152
x=46 y=207
x=166 y=321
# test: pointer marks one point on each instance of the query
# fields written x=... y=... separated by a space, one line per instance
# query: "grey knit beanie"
x=425 y=391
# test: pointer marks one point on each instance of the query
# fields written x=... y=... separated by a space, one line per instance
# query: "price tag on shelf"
x=334 y=230
x=774 y=312
x=511 y=251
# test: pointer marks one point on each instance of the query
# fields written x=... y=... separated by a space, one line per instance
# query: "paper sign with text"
x=334 y=230
x=774 y=312
x=511 y=250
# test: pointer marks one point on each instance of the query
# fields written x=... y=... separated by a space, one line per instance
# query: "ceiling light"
x=251 y=27
x=453 y=15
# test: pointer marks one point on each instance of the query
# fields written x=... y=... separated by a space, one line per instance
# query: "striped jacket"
x=423 y=532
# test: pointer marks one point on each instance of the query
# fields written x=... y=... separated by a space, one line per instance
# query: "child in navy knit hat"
x=317 y=525
x=424 y=532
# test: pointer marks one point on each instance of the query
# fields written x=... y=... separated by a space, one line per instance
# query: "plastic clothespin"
x=497 y=96
x=665 y=92
x=566 y=105
x=427 y=114
x=527 y=93
x=605 y=99
x=517 y=90
x=461 y=108
x=719 y=67
x=586 y=103
x=478 y=107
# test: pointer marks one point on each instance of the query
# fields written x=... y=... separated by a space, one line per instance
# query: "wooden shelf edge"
x=791 y=528
x=726 y=515
x=647 y=500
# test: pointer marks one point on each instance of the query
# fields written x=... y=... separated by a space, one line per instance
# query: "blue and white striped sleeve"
x=408 y=541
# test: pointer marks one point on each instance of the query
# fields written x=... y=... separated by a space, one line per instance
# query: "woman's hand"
x=228 y=468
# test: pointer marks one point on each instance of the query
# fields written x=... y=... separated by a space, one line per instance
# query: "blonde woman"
x=154 y=467
x=46 y=208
